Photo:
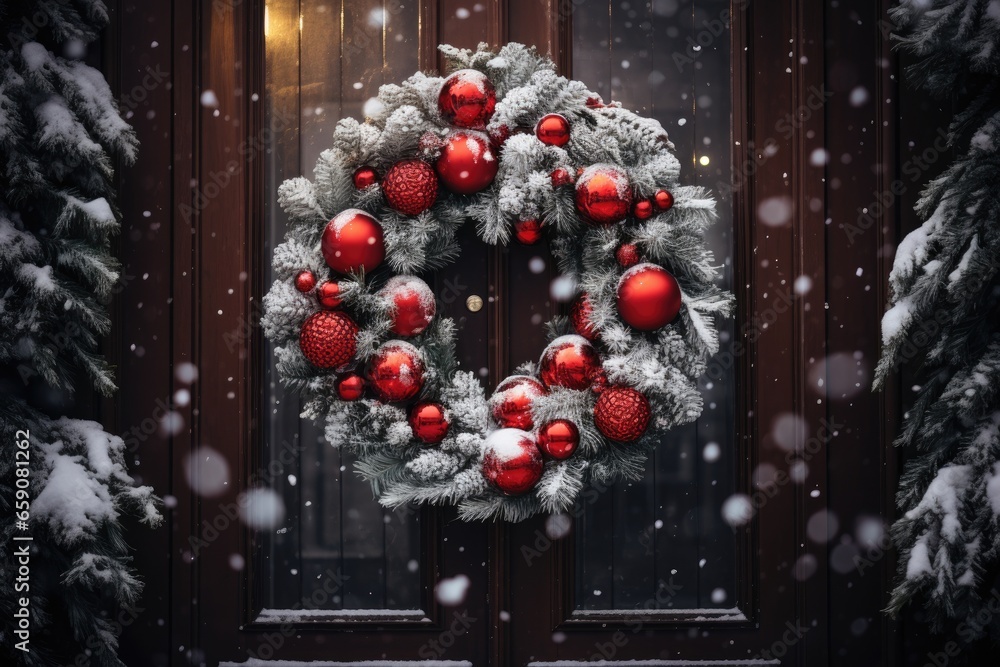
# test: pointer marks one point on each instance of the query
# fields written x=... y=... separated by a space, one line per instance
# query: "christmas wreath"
x=504 y=141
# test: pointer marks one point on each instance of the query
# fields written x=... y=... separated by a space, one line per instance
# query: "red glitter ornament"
x=351 y=387
x=643 y=209
x=569 y=361
x=430 y=145
x=328 y=294
x=664 y=199
x=413 y=304
x=511 y=402
x=410 y=186
x=595 y=102
x=396 y=371
x=558 y=439
x=467 y=163
x=429 y=422
x=528 y=232
x=328 y=340
x=621 y=414
x=648 y=297
x=627 y=255
x=467 y=99
x=305 y=281
x=499 y=136
x=512 y=462
x=603 y=194
x=552 y=130
x=579 y=317
x=353 y=240
x=364 y=177
x=560 y=177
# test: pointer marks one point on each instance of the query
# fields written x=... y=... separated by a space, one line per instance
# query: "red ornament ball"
x=364 y=177
x=643 y=209
x=353 y=240
x=663 y=199
x=499 y=136
x=512 y=462
x=569 y=361
x=328 y=340
x=305 y=281
x=413 y=305
x=603 y=194
x=621 y=414
x=396 y=371
x=351 y=387
x=579 y=317
x=429 y=422
x=528 y=232
x=627 y=255
x=511 y=402
x=552 y=130
x=467 y=99
x=558 y=439
x=648 y=297
x=328 y=294
x=560 y=177
x=410 y=186
x=467 y=163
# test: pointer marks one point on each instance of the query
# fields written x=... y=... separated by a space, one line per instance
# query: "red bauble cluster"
x=351 y=387
x=561 y=177
x=328 y=340
x=429 y=422
x=627 y=255
x=467 y=99
x=328 y=294
x=552 y=130
x=512 y=462
x=364 y=177
x=579 y=317
x=467 y=163
x=413 y=305
x=558 y=439
x=648 y=297
x=353 y=240
x=305 y=281
x=603 y=194
x=396 y=371
x=528 y=232
x=621 y=414
x=569 y=361
x=410 y=186
x=511 y=402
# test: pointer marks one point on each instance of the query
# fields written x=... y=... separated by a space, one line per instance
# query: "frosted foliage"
x=404 y=123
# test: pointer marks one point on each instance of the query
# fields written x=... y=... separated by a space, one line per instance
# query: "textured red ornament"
x=467 y=163
x=528 y=232
x=552 y=130
x=569 y=361
x=429 y=422
x=648 y=297
x=558 y=439
x=364 y=176
x=353 y=240
x=511 y=402
x=328 y=294
x=579 y=317
x=467 y=99
x=621 y=413
x=413 y=304
x=328 y=339
x=627 y=255
x=512 y=462
x=305 y=281
x=643 y=209
x=560 y=177
x=664 y=199
x=410 y=186
x=396 y=371
x=603 y=194
x=351 y=387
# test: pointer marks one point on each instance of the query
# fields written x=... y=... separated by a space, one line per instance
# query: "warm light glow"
x=703 y=161
x=267 y=23
x=300 y=22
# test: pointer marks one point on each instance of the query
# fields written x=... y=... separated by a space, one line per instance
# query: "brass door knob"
x=474 y=303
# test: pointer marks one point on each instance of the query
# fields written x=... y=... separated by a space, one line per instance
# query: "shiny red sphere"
x=467 y=163
x=648 y=297
x=579 y=317
x=413 y=304
x=558 y=439
x=528 y=232
x=429 y=422
x=627 y=255
x=364 y=177
x=643 y=210
x=663 y=199
x=327 y=339
x=603 y=194
x=511 y=402
x=351 y=387
x=305 y=281
x=621 y=414
x=467 y=99
x=353 y=240
x=410 y=186
x=552 y=130
x=569 y=361
x=328 y=294
x=512 y=462
x=396 y=371
x=560 y=177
